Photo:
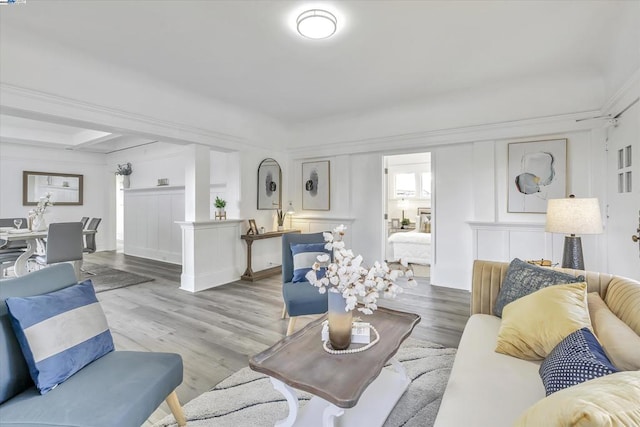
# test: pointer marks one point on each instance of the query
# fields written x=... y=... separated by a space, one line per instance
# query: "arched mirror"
x=269 y=185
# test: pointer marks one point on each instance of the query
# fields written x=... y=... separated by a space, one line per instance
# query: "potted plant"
x=281 y=215
x=405 y=222
x=125 y=170
x=220 y=204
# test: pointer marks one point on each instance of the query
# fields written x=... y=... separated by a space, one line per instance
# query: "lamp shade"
x=573 y=216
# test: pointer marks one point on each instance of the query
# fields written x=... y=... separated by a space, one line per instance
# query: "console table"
x=251 y=275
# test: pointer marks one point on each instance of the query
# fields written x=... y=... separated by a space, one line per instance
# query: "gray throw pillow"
x=523 y=279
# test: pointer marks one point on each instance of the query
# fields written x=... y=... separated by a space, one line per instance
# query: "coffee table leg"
x=292 y=400
x=329 y=414
x=397 y=366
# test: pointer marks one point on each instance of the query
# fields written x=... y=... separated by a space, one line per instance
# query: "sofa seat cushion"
x=121 y=389
x=612 y=401
x=487 y=388
x=303 y=298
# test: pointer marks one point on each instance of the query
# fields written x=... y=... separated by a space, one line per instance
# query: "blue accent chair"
x=122 y=388
x=302 y=298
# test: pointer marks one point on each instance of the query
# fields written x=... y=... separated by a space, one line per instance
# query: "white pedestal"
x=211 y=253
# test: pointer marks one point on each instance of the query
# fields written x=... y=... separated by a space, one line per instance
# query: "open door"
x=623 y=189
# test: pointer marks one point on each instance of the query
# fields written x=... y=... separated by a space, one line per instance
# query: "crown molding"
x=620 y=95
x=30 y=103
x=546 y=125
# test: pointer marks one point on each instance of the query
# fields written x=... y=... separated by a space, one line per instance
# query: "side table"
x=251 y=275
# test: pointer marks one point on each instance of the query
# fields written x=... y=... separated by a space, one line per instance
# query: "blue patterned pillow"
x=304 y=255
x=523 y=279
x=576 y=359
x=60 y=332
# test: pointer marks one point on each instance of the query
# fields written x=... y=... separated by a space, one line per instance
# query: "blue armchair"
x=302 y=298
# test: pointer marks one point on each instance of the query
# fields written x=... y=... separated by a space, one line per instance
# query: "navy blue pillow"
x=304 y=255
x=60 y=332
x=576 y=359
x=523 y=279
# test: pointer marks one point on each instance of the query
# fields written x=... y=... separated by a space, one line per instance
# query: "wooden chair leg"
x=292 y=323
x=284 y=311
x=176 y=409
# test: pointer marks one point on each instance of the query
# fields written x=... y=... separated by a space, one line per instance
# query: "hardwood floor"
x=217 y=330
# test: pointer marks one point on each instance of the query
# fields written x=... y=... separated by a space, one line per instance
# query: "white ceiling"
x=385 y=53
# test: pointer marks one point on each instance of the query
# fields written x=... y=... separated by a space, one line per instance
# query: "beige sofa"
x=492 y=389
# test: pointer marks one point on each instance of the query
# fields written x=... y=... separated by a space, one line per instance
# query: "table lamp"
x=290 y=212
x=573 y=216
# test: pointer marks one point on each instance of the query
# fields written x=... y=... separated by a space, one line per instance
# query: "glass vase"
x=340 y=322
x=39 y=223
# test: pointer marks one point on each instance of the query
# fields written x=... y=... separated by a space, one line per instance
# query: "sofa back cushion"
x=489 y=275
x=14 y=374
x=623 y=299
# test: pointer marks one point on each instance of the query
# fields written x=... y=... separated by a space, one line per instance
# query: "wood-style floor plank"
x=217 y=330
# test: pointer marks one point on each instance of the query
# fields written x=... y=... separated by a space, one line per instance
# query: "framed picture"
x=269 y=185
x=316 y=186
x=253 y=228
x=395 y=222
x=537 y=172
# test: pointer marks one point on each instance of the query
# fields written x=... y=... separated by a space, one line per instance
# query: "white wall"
x=14 y=159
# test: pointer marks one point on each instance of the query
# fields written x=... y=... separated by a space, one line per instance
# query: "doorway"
x=408 y=214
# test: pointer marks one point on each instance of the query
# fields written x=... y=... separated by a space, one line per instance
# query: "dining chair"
x=90 y=240
x=84 y=220
x=301 y=298
x=64 y=243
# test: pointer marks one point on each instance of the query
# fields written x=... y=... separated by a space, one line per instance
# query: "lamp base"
x=572 y=256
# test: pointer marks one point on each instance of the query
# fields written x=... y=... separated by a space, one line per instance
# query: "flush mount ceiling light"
x=316 y=24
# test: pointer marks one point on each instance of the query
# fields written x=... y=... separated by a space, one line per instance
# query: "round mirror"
x=269 y=185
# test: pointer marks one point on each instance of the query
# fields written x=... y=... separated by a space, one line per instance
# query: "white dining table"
x=32 y=238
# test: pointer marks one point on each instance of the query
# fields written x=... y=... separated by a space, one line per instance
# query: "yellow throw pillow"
x=612 y=400
x=534 y=324
x=619 y=341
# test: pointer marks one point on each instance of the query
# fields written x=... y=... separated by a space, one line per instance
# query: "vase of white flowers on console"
x=36 y=216
x=125 y=170
x=351 y=284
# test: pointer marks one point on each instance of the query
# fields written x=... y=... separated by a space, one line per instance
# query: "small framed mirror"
x=65 y=188
x=269 y=185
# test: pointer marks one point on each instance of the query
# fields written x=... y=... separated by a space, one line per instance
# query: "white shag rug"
x=247 y=398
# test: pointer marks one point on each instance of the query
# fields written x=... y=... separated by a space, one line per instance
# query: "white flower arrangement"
x=349 y=277
x=43 y=204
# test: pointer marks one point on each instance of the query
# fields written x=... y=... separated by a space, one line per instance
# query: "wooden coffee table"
x=353 y=386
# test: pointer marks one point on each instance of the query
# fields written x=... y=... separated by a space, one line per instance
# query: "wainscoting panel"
x=505 y=241
x=150 y=227
x=315 y=225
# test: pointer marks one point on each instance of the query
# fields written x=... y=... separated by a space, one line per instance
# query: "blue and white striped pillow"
x=60 y=332
x=304 y=255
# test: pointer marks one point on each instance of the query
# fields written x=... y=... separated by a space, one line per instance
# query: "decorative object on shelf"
x=573 y=216
x=163 y=181
x=349 y=280
x=36 y=216
x=125 y=170
x=316 y=185
x=537 y=173
x=405 y=222
x=281 y=216
x=269 y=188
x=253 y=228
x=220 y=212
